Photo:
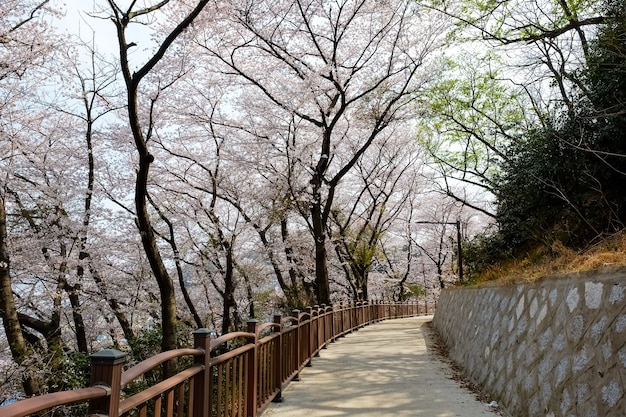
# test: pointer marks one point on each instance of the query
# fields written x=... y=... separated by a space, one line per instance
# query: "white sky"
x=80 y=20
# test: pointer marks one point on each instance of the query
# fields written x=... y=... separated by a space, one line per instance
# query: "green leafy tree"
x=468 y=119
x=564 y=180
x=557 y=172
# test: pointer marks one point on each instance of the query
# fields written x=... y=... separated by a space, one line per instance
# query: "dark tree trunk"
x=8 y=312
x=229 y=290
x=322 y=285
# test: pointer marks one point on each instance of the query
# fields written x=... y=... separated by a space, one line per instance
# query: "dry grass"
x=558 y=259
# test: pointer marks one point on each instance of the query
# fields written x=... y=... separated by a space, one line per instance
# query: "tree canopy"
x=556 y=169
x=219 y=162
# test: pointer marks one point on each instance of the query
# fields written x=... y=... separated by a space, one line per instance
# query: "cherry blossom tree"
x=372 y=198
x=142 y=124
x=23 y=49
x=345 y=71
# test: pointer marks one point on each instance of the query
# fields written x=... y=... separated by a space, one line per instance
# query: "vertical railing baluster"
x=312 y=340
x=321 y=328
x=332 y=322
x=252 y=369
x=296 y=345
x=342 y=316
x=278 y=358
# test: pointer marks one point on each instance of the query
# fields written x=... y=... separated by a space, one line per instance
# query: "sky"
x=87 y=20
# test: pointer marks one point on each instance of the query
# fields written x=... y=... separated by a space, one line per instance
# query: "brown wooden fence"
x=236 y=375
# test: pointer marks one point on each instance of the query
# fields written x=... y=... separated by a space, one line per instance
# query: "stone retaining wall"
x=553 y=348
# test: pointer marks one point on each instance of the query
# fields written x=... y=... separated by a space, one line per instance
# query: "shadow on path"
x=386 y=369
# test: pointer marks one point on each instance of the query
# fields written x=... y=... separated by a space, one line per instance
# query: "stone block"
x=554 y=348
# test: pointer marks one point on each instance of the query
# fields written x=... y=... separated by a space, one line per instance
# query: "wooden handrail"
x=149 y=364
x=156 y=390
x=243 y=380
x=266 y=326
x=230 y=336
x=231 y=354
x=36 y=404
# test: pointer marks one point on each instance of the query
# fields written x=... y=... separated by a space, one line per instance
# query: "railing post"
x=322 y=334
x=278 y=358
x=376 y=310
x=252 y=374
x=363 y=313
x=333 y=329
x=328 y=328
x=336 y=329
x=341 y=318
x=201 y=399
x=319 y=342
x=106 y=371
x=297 y=359
x=352 y=315
x=316 y=346
x=330 y=323
x=374 y=305
x=311 y=347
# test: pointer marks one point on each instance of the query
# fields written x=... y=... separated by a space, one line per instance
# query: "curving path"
x=384 y=369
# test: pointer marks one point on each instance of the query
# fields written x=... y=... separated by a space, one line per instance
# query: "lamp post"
x=458 y=243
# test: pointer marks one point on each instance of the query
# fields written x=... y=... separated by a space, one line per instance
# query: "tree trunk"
x=132 y=79
x=322 y=286
x=301 y=294
x=229 y=290
x=77 y=316
x=114 y=305
x=8 y=312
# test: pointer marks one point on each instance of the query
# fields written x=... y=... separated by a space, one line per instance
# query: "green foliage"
x=264 y=302
x=481 y=252
x=514 y=20
x=77 y=370
x=607 y=64
x=415 y=290
x=468 y=116
x=146 y=344
x=409 y=291
x=564 y=181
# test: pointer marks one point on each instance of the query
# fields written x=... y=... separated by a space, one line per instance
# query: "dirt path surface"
x=386 y=369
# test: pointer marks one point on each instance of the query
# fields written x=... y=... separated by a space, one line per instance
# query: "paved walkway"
x=381 y=370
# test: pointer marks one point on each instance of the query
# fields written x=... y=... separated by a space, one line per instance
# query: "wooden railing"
x=237 y=375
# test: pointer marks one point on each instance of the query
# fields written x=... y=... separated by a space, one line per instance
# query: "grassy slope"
x=558 y=260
